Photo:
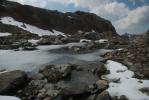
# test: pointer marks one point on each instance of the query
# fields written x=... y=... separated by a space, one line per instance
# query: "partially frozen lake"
x=31 y=60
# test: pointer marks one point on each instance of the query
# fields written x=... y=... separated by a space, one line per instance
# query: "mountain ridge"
x=69 y=23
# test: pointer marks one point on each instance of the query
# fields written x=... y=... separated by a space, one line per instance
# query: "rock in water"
x=10 y=82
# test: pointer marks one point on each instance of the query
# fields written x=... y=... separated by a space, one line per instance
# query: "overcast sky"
x=128 y=16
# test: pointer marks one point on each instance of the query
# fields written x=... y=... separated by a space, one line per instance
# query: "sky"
x=128 y=16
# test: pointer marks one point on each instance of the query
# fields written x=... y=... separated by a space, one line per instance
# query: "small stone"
x=102 y=84
x=52 y=93
x=41 y=95
x=43 y=90
x=47 y=98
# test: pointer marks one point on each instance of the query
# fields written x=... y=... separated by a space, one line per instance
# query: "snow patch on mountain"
x=27 y=27
x=4 y=34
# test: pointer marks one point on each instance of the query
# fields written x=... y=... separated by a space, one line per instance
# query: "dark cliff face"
x=46 y=19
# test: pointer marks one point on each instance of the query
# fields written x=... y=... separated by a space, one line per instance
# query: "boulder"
x=45 y=41
x=92 y=36
x=10 y=82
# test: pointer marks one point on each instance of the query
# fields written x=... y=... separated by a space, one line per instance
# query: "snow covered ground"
x=27 y=27
x=8 y=98
x=4 y=34
x=127 y=85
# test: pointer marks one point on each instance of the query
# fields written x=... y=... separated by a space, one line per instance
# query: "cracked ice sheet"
x=128 y=85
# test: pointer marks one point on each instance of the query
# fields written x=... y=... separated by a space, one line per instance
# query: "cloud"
x=136 y=21
x=36 y=3
x=119 y=13
x=113 y=11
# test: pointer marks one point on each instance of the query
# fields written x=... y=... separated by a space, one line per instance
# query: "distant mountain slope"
x=68 y=23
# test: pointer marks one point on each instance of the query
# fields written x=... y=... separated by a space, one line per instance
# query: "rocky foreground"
x=69 y=56
x=85 y=80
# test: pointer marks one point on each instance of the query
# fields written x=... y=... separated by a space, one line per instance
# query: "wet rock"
x=10 y=82
x=103 y=96
x=55 y=72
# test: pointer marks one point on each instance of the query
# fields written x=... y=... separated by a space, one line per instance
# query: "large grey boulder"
x=12 y=81
x=92 y=35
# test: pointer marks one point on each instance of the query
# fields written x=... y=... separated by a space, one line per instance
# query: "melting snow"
x=27 y=27
x=102 y=40
x=4 y=34
x=33 y=41
x=8 y=98
x=127 y=85
x=85 y=40
x=70 y=17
